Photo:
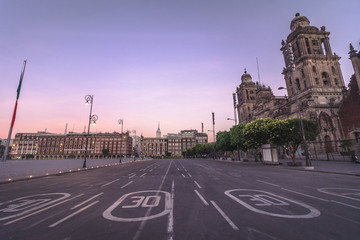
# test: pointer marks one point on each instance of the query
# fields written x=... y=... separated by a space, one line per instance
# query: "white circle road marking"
x=142 y=201
x=266 y=202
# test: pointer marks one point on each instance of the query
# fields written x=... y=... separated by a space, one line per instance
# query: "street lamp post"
x=134 y=131
x=291 y=65
x=121 y=122
x=237 y=146
x=92 y=118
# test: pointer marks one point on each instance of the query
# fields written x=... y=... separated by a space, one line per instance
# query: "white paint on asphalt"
x=189 y=174
x=183 y=175
x=127 y=184
x=142 y=224
x=88 y=200
x=170 y=229
x=110 y=182
x=143 y=175
x=73 y=214
x=303 y=194
x=201 y=198
x=41 y=210
x=132 y=176
x=268 y=183
x=345 y=204
x=261 y=199
x=342 y=192
x=198 y=185
x=138 y=200
x=224 y=216
x=28 y=204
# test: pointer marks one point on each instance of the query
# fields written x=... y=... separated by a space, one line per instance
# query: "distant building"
x=3 y=146
x=158 y=132
x=174 y=144
x=44 y=145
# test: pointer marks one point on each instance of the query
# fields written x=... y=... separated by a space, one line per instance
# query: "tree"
x=287 y=132
x=223 y=142
x=105 y=152
x=256 y=133
x=237 y=136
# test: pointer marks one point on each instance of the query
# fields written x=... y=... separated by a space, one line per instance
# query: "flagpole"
x=14 y=113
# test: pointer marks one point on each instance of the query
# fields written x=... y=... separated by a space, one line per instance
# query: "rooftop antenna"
x=202 y=127
x=257 y=64
x=66 y=128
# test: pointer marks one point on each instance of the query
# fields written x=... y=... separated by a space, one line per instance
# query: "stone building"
x=43 y=145
x=317 y=82
x=173 y=143
x=350 y=108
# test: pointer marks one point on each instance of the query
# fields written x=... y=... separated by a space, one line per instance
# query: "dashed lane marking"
x=127 y=184
x=88 y=200
x=201 y=198
x=224 y=216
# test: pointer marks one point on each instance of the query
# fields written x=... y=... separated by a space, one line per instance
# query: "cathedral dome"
x=246 y=78
x=299 y=21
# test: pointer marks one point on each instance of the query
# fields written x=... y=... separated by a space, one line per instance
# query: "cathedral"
x=316 y=82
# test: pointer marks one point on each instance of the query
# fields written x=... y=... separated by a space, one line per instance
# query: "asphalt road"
x=183 y=199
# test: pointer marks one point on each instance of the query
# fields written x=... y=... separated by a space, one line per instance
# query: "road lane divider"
x=303 y=194
x=41 y=210
x=132 y=176
x=170 y=228
x=110 y=182
x=225 y=216
x=73 y=214
x=272 y=184
x=201 y=198
x=127 y=184
x=345 y=204
x=183 y=175
x=143 y=175
x=88 y=200
x=198 y=185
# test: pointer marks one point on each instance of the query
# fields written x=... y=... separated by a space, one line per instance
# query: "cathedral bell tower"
x=246 y=94
x=317 y=77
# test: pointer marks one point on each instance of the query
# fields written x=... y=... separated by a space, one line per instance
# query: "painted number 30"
x=149 y=201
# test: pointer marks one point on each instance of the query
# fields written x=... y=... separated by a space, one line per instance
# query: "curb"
x=60 y=173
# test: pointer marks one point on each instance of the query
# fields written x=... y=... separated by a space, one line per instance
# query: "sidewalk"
x=13 y=170
x=339 y=167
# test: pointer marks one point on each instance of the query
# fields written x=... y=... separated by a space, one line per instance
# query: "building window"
x=336 y=82
x=325 y=78
x=333 y=70
x=315 y=42
x=317 y=81
x=297 y=81
x=314 y=69
x=308 y=45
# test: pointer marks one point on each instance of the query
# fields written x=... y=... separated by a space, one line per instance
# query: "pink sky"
x=173 y=62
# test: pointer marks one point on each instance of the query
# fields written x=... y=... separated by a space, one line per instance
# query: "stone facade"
x=172 y=143
x=317 y=82
x=44 y=145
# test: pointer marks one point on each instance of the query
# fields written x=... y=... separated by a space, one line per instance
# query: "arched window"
x=325 y=78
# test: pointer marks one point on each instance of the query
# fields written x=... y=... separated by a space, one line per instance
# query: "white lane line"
x=151 y=170
x=303 y=194
x=269 y=183
x=127 y=184
x=73 y=214
x=178 y=169
x=143 y=175
x=142 y=224
x=41 y=210
x=189 y=174
x=183 y=175
x=225 y=216
x=170 y=230
x=201 y=198
x=198 y=185
x=132 y=176
x=345 y=204
x=110 y=182
x=88 y=200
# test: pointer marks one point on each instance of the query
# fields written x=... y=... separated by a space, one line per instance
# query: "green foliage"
x=237 y=136
x=223 y=141
x=29 y=156
x=346 y=144
x=105 y=152
x=256 y=133
x=168 y=154
x=71 y=156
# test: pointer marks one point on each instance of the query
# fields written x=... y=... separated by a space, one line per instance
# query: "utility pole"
x=213 y=120
x=14 y=114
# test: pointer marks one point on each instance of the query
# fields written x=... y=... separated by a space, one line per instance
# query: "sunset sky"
x=149 y=61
